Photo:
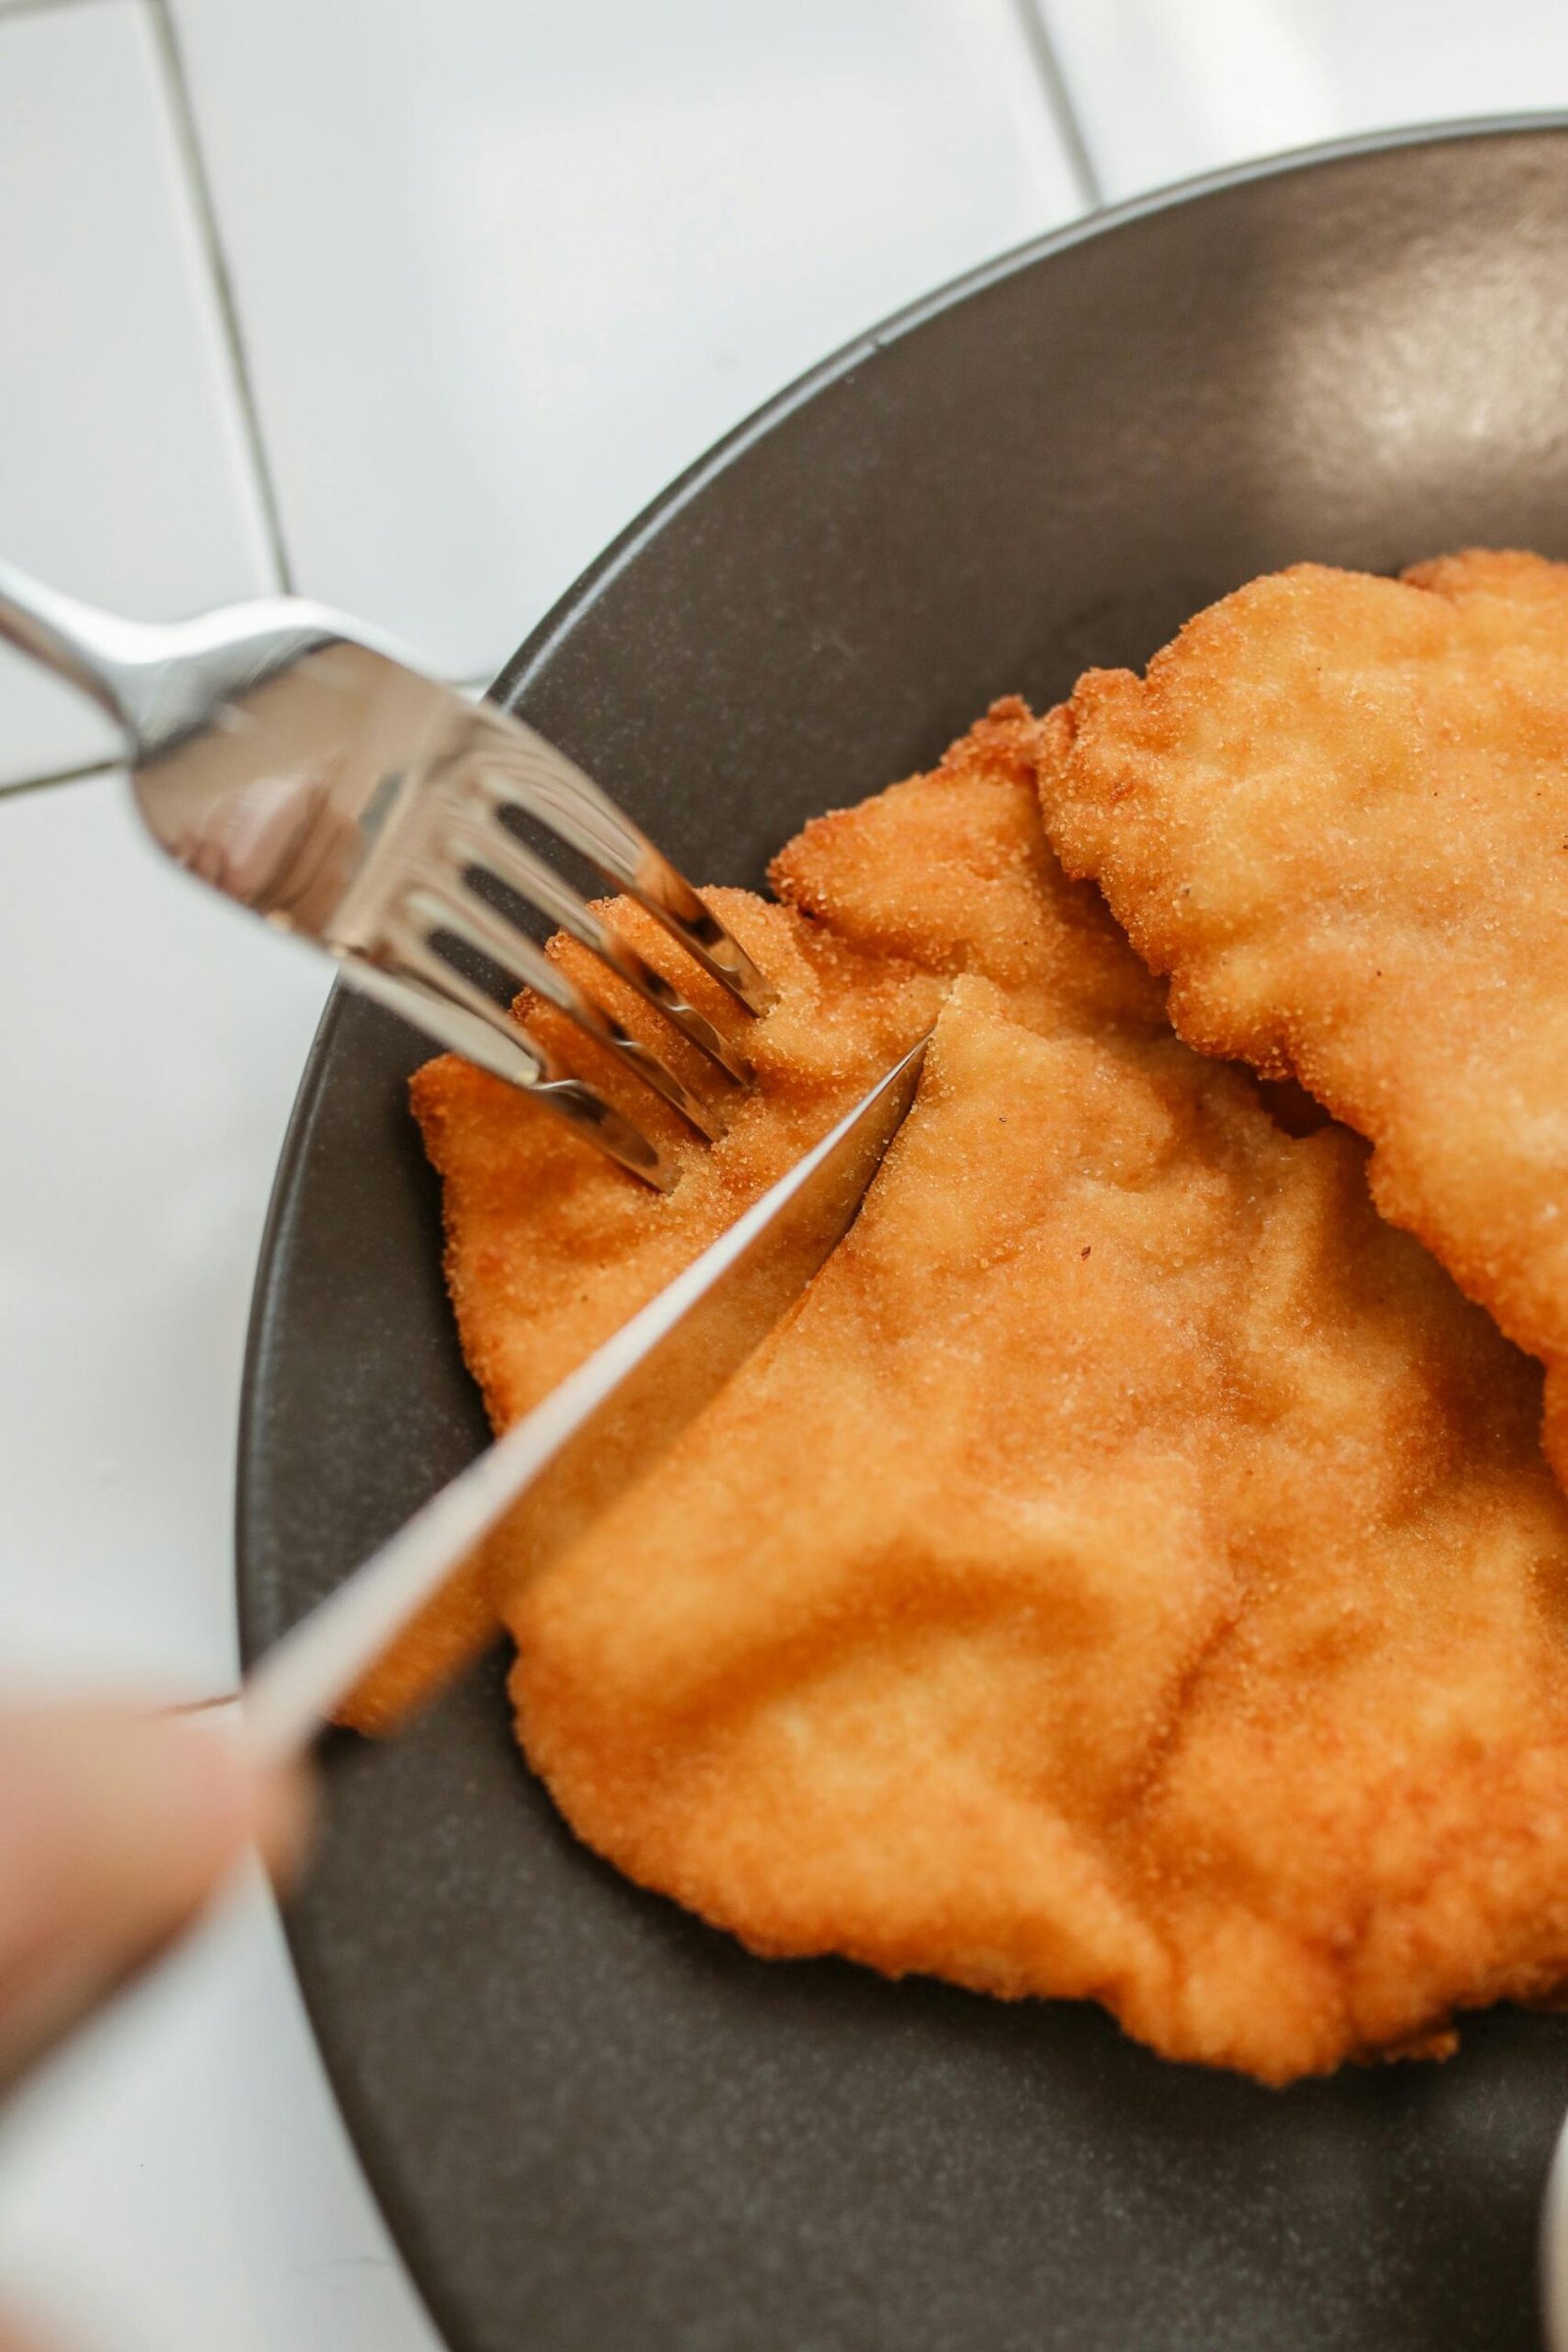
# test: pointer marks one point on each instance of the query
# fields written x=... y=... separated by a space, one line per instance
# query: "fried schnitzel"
x=1130 y=1573
x=1336 y=813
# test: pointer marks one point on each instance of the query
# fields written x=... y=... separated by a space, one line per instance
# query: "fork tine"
x=426 y=991
x=548 y=785
x=456 y=908
x=301 y=766
x=491 y=845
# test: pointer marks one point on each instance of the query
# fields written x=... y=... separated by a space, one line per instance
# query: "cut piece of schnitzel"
x=1130 y=1572
x=1336 y=813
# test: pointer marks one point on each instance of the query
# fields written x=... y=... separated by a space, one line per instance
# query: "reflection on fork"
x=297 y=764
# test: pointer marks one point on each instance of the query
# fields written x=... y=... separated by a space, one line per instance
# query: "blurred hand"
x=115 y=1828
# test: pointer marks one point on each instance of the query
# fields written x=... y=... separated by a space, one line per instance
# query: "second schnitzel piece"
x=1336 y=813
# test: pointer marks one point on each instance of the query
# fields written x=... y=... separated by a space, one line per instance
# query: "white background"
x=407 y=304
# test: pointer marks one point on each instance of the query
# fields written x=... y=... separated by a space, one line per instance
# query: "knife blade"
x=591 y=1438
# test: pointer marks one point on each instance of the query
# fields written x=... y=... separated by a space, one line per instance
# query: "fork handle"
x=89 y=649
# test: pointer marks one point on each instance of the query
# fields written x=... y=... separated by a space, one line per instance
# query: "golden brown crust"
x=1130 y=1573
x=948 y=871
x=551 y=1248
x=1336 y=813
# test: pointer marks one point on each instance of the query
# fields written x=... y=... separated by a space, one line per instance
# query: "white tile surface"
x=502 y=266
x=506 y=266
x=147 y=1064
x=1163 y=88
x=125 y=477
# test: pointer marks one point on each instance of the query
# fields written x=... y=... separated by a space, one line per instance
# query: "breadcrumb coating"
x=1129 y=1574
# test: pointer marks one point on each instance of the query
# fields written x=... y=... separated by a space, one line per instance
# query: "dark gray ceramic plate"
x=592 y=2122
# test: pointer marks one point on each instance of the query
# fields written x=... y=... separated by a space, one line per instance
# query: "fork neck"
x=95 y=652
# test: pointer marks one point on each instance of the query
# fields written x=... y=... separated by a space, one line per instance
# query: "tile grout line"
x=196 y=172
x=62 y=775
x=1042 y=48
x=115 y=765
x=34 y=8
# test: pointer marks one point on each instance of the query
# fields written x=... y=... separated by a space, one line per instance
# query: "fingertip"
x=241 y=1801
x=116 y=1827
x=283 y=1818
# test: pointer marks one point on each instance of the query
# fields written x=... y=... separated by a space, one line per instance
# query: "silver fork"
x=299 y=764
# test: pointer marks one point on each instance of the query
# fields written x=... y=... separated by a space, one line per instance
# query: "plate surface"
x=594 y=2122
